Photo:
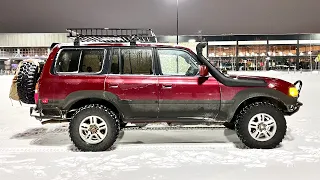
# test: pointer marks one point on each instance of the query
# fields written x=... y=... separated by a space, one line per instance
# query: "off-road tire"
x=110 y=118
x=242 y=122
x=26 y=82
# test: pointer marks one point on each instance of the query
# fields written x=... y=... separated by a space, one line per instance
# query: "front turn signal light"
x=293 y=92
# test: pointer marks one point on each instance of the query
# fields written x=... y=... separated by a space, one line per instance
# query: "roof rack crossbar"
x=111 y=35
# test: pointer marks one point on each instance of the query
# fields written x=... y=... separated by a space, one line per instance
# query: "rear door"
x=183 y=94
x=132 y=80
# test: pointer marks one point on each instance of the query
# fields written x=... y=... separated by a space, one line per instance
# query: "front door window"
x=177 y=63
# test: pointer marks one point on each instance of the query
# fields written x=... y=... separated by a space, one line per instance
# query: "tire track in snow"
x=121 y=147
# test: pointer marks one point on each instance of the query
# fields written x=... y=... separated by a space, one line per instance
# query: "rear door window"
x=137 y=61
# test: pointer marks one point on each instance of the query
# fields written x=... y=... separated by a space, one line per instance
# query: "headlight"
x=293 y=91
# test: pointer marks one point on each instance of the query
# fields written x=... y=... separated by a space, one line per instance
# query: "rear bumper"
x=46 y=114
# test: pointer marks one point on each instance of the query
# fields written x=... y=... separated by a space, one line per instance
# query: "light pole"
x=177 y=22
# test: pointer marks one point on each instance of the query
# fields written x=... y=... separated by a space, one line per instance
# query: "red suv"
x=99 y=86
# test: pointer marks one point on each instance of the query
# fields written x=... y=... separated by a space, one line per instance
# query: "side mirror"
x=203 y=71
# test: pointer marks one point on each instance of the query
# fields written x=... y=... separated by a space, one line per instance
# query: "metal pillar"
x=177 y=22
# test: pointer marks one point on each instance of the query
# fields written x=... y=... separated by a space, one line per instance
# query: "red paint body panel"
x=183 y=88
x=65 y=85
x=188 y=97
x=133 y=87
x=46 y=86
x=228 y=93
x=137 y=95
x=274 y=83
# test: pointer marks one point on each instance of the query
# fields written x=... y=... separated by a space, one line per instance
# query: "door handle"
x=113 y=86
x=166 y=86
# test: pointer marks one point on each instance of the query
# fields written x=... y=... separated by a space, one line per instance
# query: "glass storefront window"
x=251 y=56
x=223 y=54
x=33 y=52
x=8 y=52
x=283 y=54
x=309 y=51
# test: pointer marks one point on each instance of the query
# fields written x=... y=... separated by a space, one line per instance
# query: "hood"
x=249 y=77
x=274 y=83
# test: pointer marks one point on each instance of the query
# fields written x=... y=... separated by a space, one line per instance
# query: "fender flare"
x=77 y=96
x=230 y=107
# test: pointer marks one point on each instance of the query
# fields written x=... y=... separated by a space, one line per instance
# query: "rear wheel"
x=261 y=125
x=94 y=128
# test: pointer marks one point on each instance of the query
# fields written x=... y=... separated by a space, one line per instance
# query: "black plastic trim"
x=229 y=107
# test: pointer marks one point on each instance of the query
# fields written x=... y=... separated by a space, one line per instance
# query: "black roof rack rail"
x=113 y=35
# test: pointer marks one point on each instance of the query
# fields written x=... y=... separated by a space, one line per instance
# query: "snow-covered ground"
x=29 y=150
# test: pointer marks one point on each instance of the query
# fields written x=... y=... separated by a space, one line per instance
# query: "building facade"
x=15 y=47
x=232 y=52
x=262 y=52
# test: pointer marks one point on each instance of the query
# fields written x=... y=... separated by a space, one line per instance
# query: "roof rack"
x=111 y=35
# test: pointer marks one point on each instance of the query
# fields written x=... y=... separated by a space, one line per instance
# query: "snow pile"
x=29 y=150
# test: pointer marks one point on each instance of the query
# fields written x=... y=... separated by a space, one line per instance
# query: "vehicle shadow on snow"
x=58 y=136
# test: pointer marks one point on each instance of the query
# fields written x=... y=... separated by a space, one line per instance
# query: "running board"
x=167 y=128
x=53 y=121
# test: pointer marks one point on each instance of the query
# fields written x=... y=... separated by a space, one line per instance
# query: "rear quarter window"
x=80 y=61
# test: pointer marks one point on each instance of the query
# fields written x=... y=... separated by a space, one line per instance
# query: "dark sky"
x=210 y=16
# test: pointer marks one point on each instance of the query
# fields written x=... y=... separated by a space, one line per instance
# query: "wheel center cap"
x=93 y=129
x=262 y=127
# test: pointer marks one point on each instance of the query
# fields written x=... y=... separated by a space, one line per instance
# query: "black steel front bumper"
x=293 y=108
x=299 y=83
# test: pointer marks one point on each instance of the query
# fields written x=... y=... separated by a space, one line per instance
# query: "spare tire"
x=26 y=81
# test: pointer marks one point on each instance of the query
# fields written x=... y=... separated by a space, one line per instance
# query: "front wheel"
x=261 y=125
x=94 y=128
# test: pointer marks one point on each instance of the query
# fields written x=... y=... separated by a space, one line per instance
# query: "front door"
x=132 y=82
x=183 y=94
